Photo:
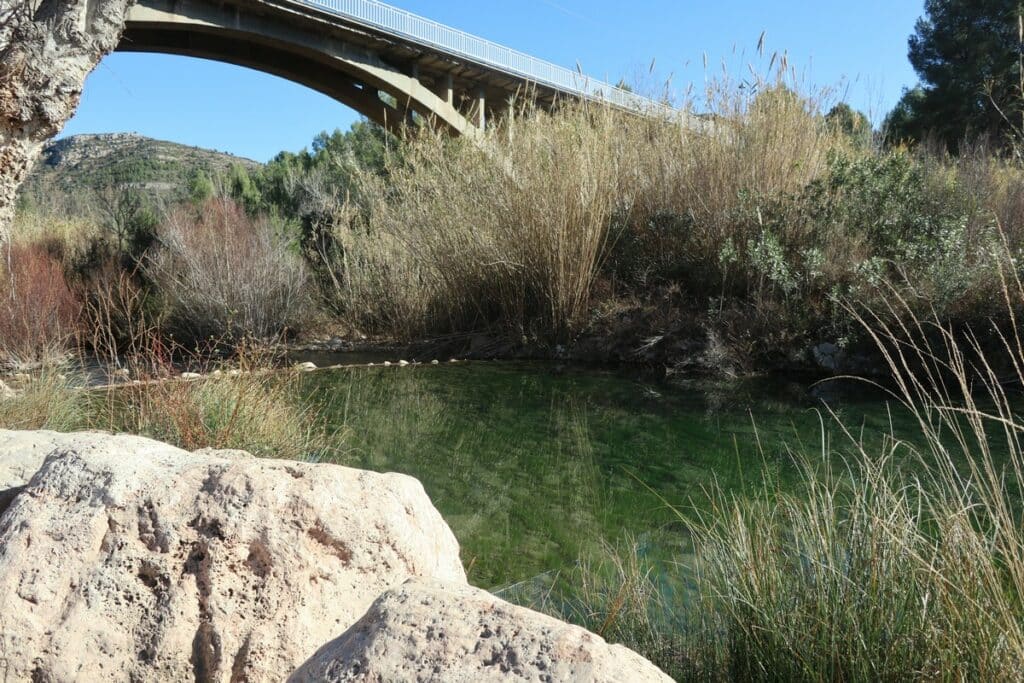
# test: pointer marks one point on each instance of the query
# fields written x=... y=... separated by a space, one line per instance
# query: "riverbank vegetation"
x=724 y=244
x=243 y=405
x=738 y=238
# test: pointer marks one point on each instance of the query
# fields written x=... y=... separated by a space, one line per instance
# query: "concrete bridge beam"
x=278 y=39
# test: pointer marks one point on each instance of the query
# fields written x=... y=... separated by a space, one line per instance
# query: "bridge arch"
x=303 y=45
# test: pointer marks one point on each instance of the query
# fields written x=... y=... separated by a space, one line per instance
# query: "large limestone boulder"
x=434 y=631
x=125 y=559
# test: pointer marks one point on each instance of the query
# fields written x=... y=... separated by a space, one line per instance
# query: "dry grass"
x=65 y=233
x=244 y=406
x=48 y=401
x=462 y=237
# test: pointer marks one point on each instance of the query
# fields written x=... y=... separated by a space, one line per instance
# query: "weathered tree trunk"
x=47 y=48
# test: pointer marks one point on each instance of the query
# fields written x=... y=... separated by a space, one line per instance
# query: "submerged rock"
x=828 y=356
x=126 y=559
x=435 y=631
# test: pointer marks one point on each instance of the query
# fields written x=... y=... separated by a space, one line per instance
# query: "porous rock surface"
x=46 y=51
x=126 y=559
x=22 y=454
x=427 y=630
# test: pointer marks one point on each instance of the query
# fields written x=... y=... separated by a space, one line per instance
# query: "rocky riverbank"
x=122 y=558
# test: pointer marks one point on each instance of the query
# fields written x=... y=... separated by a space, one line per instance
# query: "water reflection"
x=534 y=469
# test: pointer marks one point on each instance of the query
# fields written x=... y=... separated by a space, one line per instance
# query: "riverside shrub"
x=220 y=273
x=39 y=313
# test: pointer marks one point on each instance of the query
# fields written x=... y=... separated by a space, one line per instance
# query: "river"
x=535 y=465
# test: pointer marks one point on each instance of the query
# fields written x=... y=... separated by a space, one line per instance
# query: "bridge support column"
x=481 y=109
x=447 y=90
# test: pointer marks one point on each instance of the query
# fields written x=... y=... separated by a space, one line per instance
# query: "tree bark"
x=47 y=48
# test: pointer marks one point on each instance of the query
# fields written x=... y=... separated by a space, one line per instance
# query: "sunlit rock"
x=437 y=631
x=126 y=559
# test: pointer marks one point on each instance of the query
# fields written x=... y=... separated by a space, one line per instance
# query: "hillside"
x=85 y=163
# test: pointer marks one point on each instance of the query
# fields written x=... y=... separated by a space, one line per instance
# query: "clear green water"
x=533 y=466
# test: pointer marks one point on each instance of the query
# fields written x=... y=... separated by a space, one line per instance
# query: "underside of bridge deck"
x=389 y=82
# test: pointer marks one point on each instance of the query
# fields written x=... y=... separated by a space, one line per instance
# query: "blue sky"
x=858 y=48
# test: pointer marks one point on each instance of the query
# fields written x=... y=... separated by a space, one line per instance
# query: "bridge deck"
x=405 y=26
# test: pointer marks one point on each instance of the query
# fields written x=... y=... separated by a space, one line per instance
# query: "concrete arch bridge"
x=387 y=64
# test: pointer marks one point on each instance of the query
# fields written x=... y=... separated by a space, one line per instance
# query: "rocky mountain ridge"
x=91 y=162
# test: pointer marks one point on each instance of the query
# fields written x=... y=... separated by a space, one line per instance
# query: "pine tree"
x=967 y=54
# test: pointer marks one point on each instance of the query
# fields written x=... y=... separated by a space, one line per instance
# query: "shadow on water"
x=535 y=466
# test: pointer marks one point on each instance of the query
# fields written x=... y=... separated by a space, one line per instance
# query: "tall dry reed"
x=462 y=236
x=515 y=229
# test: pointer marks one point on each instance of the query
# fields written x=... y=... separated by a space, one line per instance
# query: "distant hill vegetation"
x=81 y=165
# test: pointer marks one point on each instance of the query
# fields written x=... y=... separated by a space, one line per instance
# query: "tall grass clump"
x=878 y=578
x=48 y=401
x=217 y=272
x=616 y=594
x=246 y=407
x=507 y=231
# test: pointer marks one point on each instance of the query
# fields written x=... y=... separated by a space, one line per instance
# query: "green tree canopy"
x=200 y=187
x=967 y=55
x=850 y=122
x=332 y=159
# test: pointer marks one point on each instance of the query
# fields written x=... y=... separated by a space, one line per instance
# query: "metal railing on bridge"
x=420 y=30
